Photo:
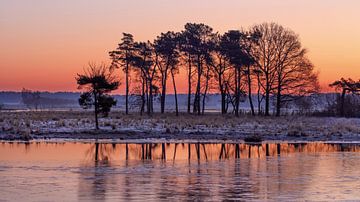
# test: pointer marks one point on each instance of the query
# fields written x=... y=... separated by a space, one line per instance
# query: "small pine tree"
x=98 y=81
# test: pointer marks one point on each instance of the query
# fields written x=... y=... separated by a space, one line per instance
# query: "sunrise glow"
x=45 y=43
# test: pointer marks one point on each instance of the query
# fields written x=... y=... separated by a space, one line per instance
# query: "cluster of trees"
x=267 y=59
x=37 y=100
x=346 y=105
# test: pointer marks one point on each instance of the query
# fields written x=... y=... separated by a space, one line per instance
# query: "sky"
x=44 y=43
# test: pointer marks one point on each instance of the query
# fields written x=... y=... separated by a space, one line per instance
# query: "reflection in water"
x=179 y=171
x=202 y=151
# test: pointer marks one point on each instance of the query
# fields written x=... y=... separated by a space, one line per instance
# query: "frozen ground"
x=78 y=125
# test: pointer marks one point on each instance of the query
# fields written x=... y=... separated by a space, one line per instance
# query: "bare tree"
x=295 y=75
x=264 y=55
x=285 y=70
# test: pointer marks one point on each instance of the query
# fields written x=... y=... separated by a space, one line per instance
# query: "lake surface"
x=94 y=171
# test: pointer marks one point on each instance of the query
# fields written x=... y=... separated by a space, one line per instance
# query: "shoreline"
x=173 y=141
x=141 y=136
x=77 y=125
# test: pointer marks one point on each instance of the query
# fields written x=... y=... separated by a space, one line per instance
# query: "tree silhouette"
x=123 y=57
x=145 y=62
x=175 y=70
x=198 y=44
x=250 y=40
x=234 y=50
x=167 y=54
x=264 y=55
x=346 y=86
x=98 y=81
x=284 y=69
x=268 y=59
x=220 y=65
x=295 y=75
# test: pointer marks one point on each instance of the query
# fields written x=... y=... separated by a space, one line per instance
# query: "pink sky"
x=45 y=43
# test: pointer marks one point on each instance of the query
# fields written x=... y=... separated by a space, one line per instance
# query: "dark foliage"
x=98 y=82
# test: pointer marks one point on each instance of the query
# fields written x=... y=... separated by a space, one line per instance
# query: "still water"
x=94 y=171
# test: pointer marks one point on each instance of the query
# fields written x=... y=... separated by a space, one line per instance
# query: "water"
x=89 y=171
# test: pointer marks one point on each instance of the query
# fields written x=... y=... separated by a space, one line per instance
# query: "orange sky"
x=43 y=44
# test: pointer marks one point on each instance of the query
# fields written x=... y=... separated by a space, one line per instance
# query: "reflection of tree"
x=100 y=152
x=96 y=176
x=196 y=189
x=94 y=180
x=203 y=151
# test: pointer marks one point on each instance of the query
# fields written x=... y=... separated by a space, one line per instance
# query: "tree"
x=264 y=56
x=186 y=49
x=220 y=65
x=234 y=50
x=197 y=40
x=123 y=57
x=167 y=55
x=175 y=70
x=346 y=86
x=295 y=75
x=206 y=85
x=97 y=81
x=284 y=68
x=249 y=41
x=145 y=63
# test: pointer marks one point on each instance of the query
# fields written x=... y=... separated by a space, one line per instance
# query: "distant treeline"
x=35 y=99
x=322 y=104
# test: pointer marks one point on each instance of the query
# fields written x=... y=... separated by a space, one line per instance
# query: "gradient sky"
x=44 y=43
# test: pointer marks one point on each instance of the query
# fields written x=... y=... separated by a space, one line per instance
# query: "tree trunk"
x=175 y=93
x=342 y=103
x=163 y=91
x=250 y=94
x=206 y=89
x=96 y=111
x=237 y=91
x=278 y=100
x=147 y=98
x=150 y=98
x=189 y=86
x=162 y=101
x=223 y=104
x=221 y=88
x=258 y=94
x=127 y=88
x=267 y=96
x=142 y=97
x=198 y=89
